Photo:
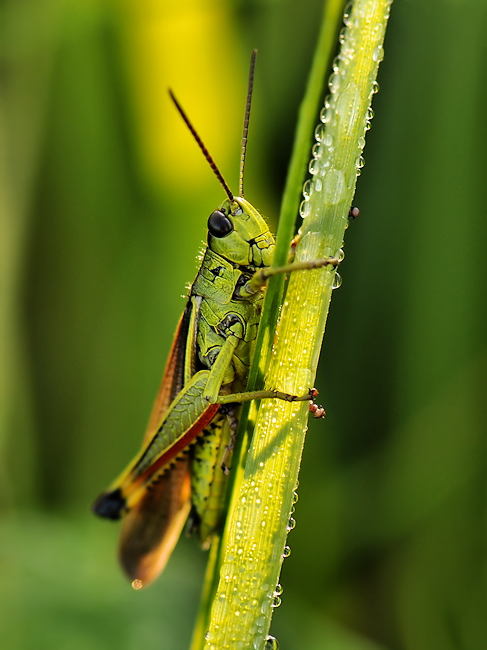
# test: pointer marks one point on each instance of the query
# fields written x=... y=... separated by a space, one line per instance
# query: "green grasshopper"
x=195 y=415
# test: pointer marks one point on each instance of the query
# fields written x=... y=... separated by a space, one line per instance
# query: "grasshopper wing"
x=158 y=509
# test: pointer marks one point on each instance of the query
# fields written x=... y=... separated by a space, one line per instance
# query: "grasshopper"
x=195 y=415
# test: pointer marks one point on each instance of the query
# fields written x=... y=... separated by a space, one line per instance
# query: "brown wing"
x=173 y=378
x=151 y=529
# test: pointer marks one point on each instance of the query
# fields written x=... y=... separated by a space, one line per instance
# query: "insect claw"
x=225 y=469
x=317 y=410
x=295 y=241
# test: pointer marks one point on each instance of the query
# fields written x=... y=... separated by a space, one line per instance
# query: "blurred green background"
x=103 y=204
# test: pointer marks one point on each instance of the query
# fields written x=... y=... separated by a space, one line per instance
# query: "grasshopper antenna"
x=243 y=149
x=205 y=151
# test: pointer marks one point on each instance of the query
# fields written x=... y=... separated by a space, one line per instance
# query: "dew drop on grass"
x=337 y=281
x=271 y=643
x=317 y=150
x=304 y=209
x=378 y=54
x=319 y=133
x=326 y=114
x=328 y=140
x=346 y=14
x=307 y=189
x=313 y=167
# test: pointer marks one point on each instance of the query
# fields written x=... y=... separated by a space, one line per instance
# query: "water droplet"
x=307 y=189
x=346 y=14
x=316 y=150
x=370 y=114
x=337 y=281
x=304 y=209
x=287 y=549
x=375 y=87
x=276 y=602
x=341 y=35
x=313 y=167
x=207 y=635
x=326 y=114
x=328 y=140
x=336 y=187
x=271 y=643
x=295 y=497
x=278 y=590
x=360 y=162
x=341 y=255
x=291 y=525
x=378 y=30
x=334 y=82
x=137 y=584
x=378 y=54
x=319 y=132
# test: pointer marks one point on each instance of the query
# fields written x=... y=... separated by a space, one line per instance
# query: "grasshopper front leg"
x=261 y=276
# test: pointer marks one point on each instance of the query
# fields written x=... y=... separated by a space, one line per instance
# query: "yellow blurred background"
x=103 y=205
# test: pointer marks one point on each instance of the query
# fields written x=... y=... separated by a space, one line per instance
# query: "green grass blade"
x=258 y=522
x=298 y=166
x=310 y=105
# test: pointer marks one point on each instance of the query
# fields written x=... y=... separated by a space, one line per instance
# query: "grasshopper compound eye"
x=219 y=224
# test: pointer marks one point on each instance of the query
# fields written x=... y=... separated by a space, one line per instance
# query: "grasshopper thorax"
x=239 y=233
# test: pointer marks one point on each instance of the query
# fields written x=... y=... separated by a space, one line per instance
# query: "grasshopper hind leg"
x=208 y=482
x=232 y=416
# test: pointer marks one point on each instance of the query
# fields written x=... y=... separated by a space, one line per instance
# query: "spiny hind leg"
x=266 y=394
x=230 y=410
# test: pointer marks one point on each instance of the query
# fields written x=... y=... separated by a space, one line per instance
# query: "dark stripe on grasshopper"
x=163 y=462
x=112 y=505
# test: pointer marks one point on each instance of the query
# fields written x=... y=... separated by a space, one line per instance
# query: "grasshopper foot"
x=224 y=466
x=316 y=409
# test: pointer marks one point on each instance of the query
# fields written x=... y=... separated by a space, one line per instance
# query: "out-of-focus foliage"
x=103 y=203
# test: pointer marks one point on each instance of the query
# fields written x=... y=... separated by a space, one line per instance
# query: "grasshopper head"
x=239 y=233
